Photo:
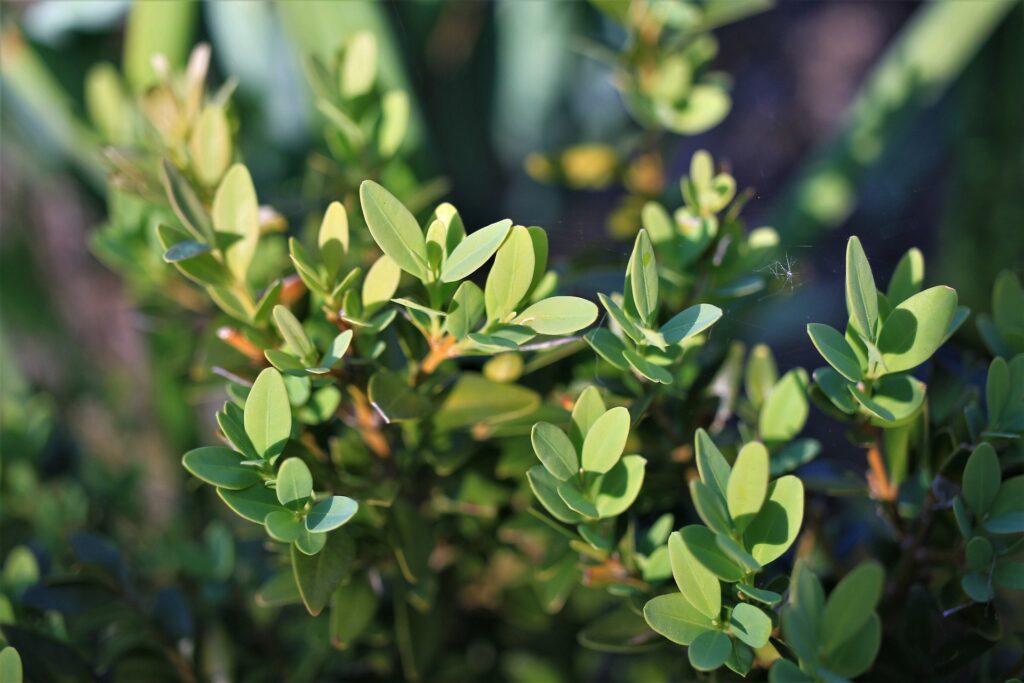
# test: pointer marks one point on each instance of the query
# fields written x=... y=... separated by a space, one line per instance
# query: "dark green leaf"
x=220 y=466
x=319 y=575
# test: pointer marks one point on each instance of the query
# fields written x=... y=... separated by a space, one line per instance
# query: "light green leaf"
x=509 y=280
x=268 y=416
x=861 y=295
x=333 y=238
x=608 y=346
x=833 y=348
x=615 y=491
x=381 y=283
x=253 y=503
x=761 y=374
x=736 y=552
x=220 y=466
x=776 y=526
x=643 y=277
x=981 y=480
x=393 y=397
x=895 y=401
x=675 y=618
x=359 y=67
x=916 y=328
x=908 y=277
x=605 y=441
x=621 y=318
x=750 y=624
x=394 y=122
x=851 y=604
x=646 y=368
x=294 y=483
x=283 y=525
x=709 y=650
x=319 y=575
x=291 y=331
x=657 y=222
x=576 y=499
x=465 y=310
x=690 y=322
x=394 y=229
x=759 y=594
x=702 y=544
x=236 y=220
x=336 y=351
x=209 y=145
x=330 y=513
x=555 y=450
x=309 y=542
x=748 y=484
x=589 y=407
x=10 y=665
x=558 y=315
x=710 y=507
x=545 y=488
x=473 y=252
x=712 y=466
x=785 y=409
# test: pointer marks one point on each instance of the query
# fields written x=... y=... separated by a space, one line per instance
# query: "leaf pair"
x=300 y=356
x=584 y=474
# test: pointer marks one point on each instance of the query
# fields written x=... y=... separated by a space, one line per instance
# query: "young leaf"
x=291 y=331
x=643 y=277
x=394 y=229
x=268 y=416
x=220 y=466
x=916 y=328
x=294 y=483
x=333 y=238
x=588 y=409
x=833 y=348
x=317 y=576
x=982 y=476
x=776 y=526
x=510 y=276
x=236 y=220
x=558 y=315
x=330 y=513
x=555 y=450
x=861 y=295
x=473 y=252
x=675 y=618
x=712 y=466
x=709 y=650
x=690 y=322
x=381 y=283
x=696 y=582
x=748 y=484
x=908 y=277
x=605 y=441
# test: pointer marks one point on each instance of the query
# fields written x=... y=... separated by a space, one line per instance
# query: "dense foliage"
x=450 y=457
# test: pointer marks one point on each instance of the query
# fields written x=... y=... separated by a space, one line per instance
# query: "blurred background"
x=891 y=120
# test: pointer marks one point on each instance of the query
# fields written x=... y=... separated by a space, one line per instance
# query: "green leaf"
x=793 y=455
x=545 y=488
x=978 y=553
x=394 y=122
x=702 y=545
x=291 y=331
x=643 y=277
x=511 y=274
x=896 y=399
x=465 y=310
x=608 y=346
x=319 y=575
x=736 y=552
x=759 y=594
x=394 y=399
x=709 y=650
x=294 y=483
x=861 y=295
x=555 y=450
x=359 y=66
x=981 y=480
x=977 y=586
x=855 y=655
x=236 y=220
x=785 y=409
x=646 y=368
x=712 y=466
x=690 y=322
x=476 y=399
x=330 y=513
x=473 y=252
x=1008 y=302
x=741 y=659
x=997 y=390
x=748 y=484
x=253 y=503
x=710 y=507
x=771 y=533
x=268 y=415
x=1006 y=514
x=916 y=328
x=1009 y=574
x=558 y=315
x=750 y=624
x=283 y=525
x=837 y=389
x=576 y=498
x=394 y=229
x=381 y=283
x=605 y=441
x=220 y=466
x=333 y=238
x=308 y=542
x=186 y=204
x=336 y=351
x=833 y=348
x=657 y=222
x=352 y=608
x=761 y=375
x=785 y=671
x=675 y=618
x=621 y=318
x=851 y=604
x=908 y=277
x=10 y=665
x=184 y=250
x=615 y=491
